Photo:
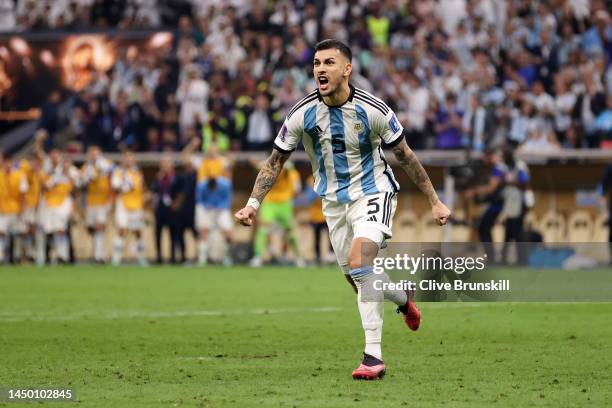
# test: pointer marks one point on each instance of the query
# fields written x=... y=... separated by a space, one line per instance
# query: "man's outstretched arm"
x=413 y=167
x=263 y=184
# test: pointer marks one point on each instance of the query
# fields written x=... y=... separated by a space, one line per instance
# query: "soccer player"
x=214 y=199
x=128 y=181
x=342 y=129
x=29 y=216
x=59 y=178
x=13 y=187
x=278 y=208
x=95 y=175
x=212 y=165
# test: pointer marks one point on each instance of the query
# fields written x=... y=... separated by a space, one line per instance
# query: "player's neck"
x=339 y=96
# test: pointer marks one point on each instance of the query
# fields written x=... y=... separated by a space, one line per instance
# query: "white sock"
x=41 y=243
x=371 y=309
x=2 y=249
x=99 y=246
x=29 y=247
x=140 y=251
x=17 y=247
x=117 y=250
x=372 y=322
x=61 y=246
x=202 y=252
x=369 y=280
x=397 y=296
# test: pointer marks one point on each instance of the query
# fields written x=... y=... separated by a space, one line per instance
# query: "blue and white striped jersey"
x=344 y=144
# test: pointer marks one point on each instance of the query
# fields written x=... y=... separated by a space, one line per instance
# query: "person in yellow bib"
x=95 y=175
x=310 y=200
x=277 y=209
x=59 y=178
x=13 y=186
x=128 y=181
x=29 y=217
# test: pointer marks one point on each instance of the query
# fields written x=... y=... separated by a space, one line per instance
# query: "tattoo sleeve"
x=413 y=167
x=268 y=174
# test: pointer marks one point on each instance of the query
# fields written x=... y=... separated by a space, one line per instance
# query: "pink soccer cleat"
x=412 y=314
x=375 y=369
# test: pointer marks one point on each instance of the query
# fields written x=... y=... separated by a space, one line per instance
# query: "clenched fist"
x=440 y=212
x=246 y=216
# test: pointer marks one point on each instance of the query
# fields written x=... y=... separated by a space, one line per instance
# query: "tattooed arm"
x=263 y=184
x=268 y=174
x=413 y=167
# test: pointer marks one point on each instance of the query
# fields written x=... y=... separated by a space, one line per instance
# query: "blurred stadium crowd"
x=476 y=73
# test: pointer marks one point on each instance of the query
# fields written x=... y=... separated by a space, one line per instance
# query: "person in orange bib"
x=29 y=217
x=96 y=178
x=128 y=181
x=59 y=178
x=13 y=186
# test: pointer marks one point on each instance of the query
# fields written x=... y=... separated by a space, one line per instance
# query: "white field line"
x=142 y=314
x=21 y=316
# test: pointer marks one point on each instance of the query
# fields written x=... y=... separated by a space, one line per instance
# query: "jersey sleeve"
x=290 y=134
x=388 y=127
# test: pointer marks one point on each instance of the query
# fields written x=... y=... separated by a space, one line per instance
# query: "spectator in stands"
x=603 y=125
x=559 y=52
x=192 y=94
x=7 y=15
x=261 y=126
x=448 y=125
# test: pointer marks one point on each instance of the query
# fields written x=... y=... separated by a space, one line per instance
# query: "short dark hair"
x=331 y=44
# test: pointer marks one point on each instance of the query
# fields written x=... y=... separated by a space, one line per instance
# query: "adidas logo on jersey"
x=372 y=218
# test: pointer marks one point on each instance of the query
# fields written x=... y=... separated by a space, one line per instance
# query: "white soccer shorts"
x=132 y=220
x=8 y=223
x=29 y=216
x=213 y=218
x=96 y=214
x=368 y=217
x=55 y=219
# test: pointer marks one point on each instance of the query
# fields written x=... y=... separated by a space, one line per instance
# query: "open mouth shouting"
x=323 y=82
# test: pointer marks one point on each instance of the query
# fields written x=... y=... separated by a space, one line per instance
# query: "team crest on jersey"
x=358 y=126
x=394 y=125
x=283 y=133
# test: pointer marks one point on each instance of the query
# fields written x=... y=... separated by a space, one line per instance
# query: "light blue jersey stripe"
x=368 y=182
x=310 y=126
x=339 y=152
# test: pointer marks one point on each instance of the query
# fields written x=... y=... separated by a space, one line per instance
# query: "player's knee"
x=356 y=262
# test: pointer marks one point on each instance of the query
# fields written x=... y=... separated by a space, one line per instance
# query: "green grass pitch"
x=285 y=337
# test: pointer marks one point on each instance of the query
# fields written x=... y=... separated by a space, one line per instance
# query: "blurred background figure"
x=310 y=200
x=128 y=181
x=214 y=200
x=59 y=179
x=13 y=188
x=96 y=178
x=605 y=187
x=166 y=190
x=277 y=212
x=517 y=199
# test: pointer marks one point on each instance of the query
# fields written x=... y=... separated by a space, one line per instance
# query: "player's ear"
x=348 y=68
